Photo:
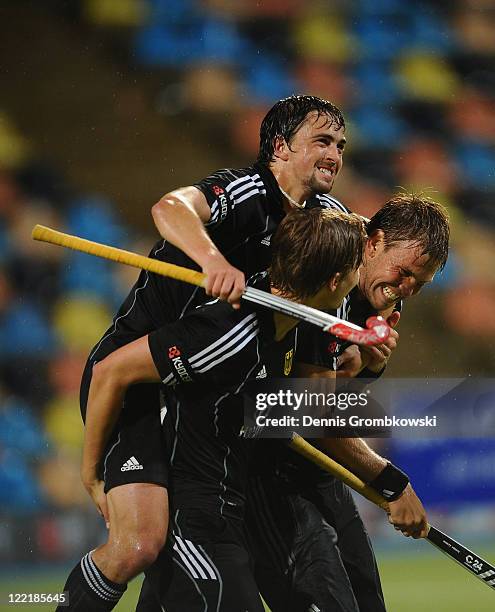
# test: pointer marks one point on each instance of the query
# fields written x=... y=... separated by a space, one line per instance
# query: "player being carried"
x=316 y=255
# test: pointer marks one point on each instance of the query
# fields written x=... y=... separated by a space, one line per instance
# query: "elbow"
x=159 y=210
x=109 y=374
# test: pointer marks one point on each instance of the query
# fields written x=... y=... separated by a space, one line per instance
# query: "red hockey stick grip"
x=377 y=331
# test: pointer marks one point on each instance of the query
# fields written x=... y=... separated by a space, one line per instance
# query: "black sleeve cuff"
x=365 y=373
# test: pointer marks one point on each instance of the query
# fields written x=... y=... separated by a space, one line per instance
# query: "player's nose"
x=407 y=287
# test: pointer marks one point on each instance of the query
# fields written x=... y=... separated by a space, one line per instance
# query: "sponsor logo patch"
x=174 y=356
x=173 y=351
x=332 y=347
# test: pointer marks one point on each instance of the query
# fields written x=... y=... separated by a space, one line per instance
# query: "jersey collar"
x=273 y=193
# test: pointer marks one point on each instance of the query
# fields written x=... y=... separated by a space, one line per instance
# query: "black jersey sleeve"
x=316 y=347
x=213 y=345
x=226 y=191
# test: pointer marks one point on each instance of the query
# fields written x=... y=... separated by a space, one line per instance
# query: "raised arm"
x=180 y=217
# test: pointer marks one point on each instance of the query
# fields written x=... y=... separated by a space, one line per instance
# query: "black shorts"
x=137 y=450
x=204 y=566
x=311 y=554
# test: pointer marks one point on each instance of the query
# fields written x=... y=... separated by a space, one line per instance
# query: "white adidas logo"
x=262 y=373
x=131 y=464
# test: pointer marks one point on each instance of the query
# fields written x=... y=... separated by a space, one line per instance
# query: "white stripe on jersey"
x=245 y=187
x=195 y=363
x=248 y=195
x=252 y=181
x=235 y=350
x=214 y=209
x=169 y=380
x=332 y=202
x=233 y=338
x=224 y=338
x=248 y=178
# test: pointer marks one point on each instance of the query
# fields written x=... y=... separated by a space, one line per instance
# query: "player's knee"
x=135 y=554
x=145 y=552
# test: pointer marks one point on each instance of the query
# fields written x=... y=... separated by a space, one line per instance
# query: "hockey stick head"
x=377 y=331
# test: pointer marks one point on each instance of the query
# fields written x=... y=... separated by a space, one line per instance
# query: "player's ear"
x=374 y=242
x=280 y=148
x=333 y=283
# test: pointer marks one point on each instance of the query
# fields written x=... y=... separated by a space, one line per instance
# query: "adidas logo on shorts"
x=131 y=464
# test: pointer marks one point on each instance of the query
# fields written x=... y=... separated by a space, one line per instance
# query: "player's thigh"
x=138 y=512
x=209 y=567
x=355 y=546
x=320 y=579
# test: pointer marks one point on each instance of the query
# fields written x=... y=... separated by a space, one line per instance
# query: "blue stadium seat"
x=381 y=38
x=94 y=217
x=19 y=492
x=268 y=79
x=376 y=84
x=88 y=274
x=429 y=32
x=168 y=45
x=477 y=161
x=171 y=11
x=378 y=127
x=25 y=332
x=221 y=42
x=20 y=431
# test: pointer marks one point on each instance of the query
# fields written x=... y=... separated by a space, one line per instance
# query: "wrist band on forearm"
x=390 y=482
x=365 y=373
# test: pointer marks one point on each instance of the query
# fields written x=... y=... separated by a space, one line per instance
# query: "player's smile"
x=390 y=294
x=314 y=156
x=394 y=273
x=327 y=170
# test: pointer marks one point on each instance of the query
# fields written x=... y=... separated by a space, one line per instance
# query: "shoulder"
x=233 y=180
x=328 y=201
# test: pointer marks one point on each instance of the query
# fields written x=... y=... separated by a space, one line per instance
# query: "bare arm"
x=180 y=217
x=406 y=513
x=356 y=455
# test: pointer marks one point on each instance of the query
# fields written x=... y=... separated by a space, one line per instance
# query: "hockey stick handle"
x=46 y=234
x=300 y=446
x=376 y=333
x=470 y=561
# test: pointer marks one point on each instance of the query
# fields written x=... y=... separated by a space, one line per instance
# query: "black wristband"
x=390 y=482
x=365 y=373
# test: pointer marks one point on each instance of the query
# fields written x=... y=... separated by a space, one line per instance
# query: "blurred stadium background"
x=107 y=104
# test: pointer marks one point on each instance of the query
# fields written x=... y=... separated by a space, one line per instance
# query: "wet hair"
x=286 y=117
x=311 y=246
x=417 y=218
